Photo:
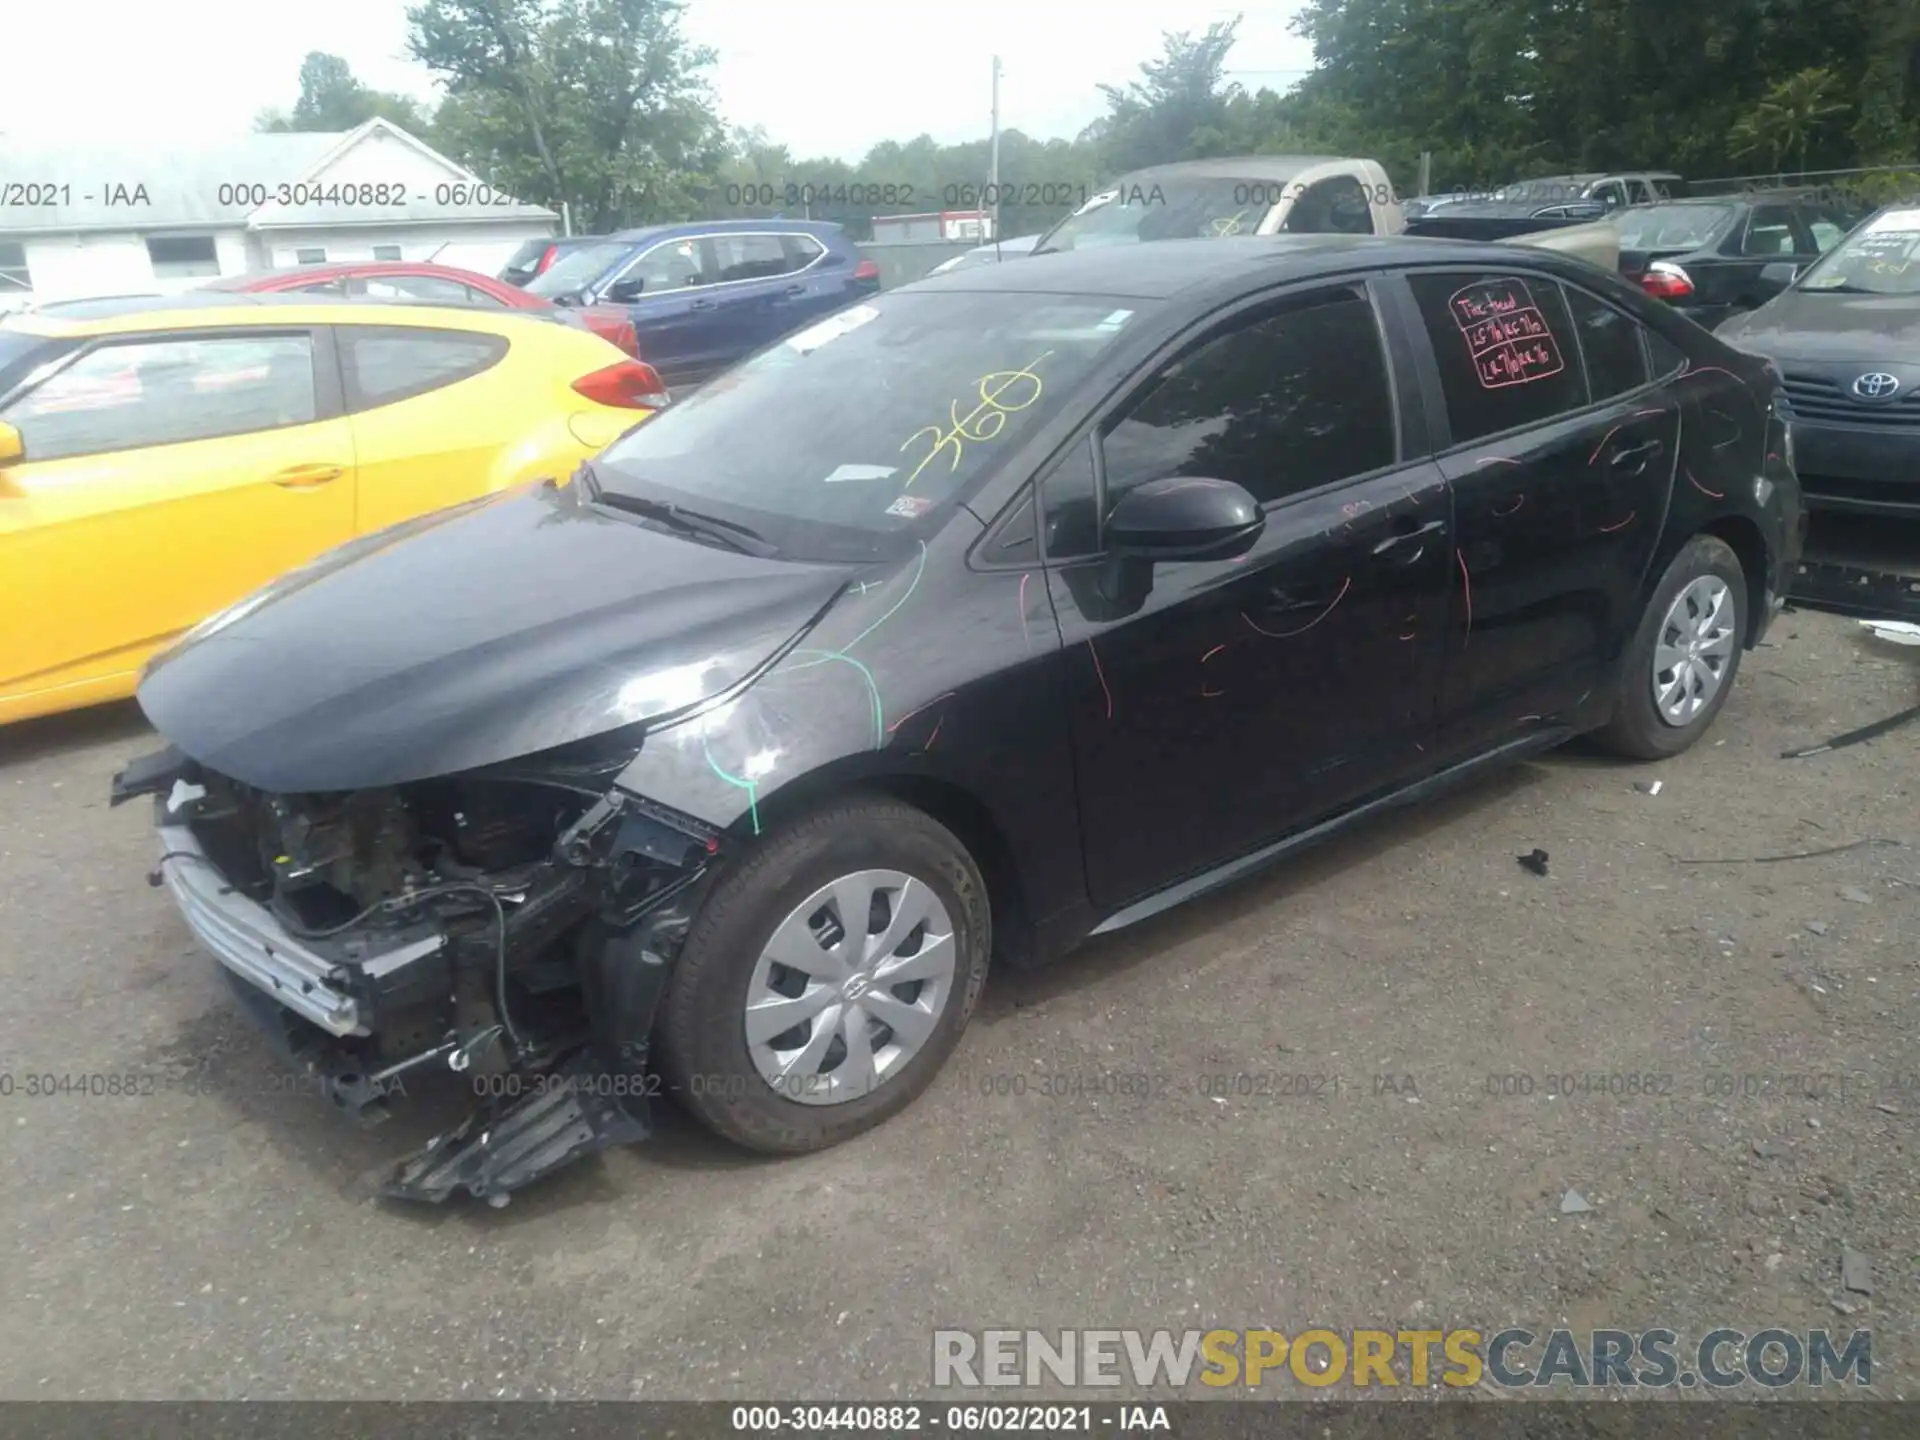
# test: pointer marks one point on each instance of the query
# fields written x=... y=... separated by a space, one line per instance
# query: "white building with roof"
x=79 y=222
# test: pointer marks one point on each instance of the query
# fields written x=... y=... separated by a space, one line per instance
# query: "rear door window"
x=1504 y=345
x=748 y=257
x=130 y=395
x=1827 y=226
x=435 y=289
x=1769 y=231
x=383 y=364
x=672 y=265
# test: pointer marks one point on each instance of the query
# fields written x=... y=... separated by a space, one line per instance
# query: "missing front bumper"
x=368 y=1008
x=245 y=936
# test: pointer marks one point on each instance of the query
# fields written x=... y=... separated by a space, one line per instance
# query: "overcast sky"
x=825 y=79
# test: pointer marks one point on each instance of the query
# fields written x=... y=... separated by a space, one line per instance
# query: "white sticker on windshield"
x=1115 y=320
x=1097 y=201
x=860 y=472
x=1902 y=220
x=832 y=328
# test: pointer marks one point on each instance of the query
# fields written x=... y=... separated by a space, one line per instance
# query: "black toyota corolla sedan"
x=1846 y=336
x=997 y=611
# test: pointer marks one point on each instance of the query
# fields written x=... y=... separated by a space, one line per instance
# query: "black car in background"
x=1004 y=609
x=1716 y=256
x=1846 y=338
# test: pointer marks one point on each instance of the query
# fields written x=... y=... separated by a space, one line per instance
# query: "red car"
x=425 y=284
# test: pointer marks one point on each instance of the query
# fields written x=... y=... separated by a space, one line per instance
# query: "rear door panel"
x=1558 y=505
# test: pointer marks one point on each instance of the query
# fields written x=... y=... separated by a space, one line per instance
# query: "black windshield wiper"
x=690 y=522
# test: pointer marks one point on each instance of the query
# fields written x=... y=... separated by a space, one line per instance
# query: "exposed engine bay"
x=512 y=926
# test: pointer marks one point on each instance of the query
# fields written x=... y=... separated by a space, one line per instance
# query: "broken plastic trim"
x=569 y=1113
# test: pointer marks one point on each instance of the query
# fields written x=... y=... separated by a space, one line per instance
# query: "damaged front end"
x=513 y=925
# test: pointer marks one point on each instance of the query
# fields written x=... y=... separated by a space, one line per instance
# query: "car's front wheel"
x=827 y=979
x=1681 y=663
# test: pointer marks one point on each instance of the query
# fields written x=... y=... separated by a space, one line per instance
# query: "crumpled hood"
x=477 y=635
x=1807 y=325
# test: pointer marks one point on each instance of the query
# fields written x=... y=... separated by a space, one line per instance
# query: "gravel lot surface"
x=219 y=1245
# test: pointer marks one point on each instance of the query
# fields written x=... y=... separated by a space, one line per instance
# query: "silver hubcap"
x=849 y=987
x=1695 y=647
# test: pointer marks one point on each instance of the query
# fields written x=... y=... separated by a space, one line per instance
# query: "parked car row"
x=693 y=775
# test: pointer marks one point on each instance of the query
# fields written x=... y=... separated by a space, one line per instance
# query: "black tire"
x=702 y=1037
x=1637 y=731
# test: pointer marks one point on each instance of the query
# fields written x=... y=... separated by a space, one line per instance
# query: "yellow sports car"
x=160 y=459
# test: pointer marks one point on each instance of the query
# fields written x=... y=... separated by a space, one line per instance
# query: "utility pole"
x=993 y=162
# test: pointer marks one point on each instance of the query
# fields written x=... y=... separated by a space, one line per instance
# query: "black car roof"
x=1160 y=269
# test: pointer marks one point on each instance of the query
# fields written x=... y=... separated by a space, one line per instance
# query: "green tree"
x=1788 y=117
x=600 y=105
x=332 y=99
x=1179 y=107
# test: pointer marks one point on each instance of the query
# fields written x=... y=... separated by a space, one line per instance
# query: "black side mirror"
x=1184 y=518
x=1779 y=274
x=625 y=292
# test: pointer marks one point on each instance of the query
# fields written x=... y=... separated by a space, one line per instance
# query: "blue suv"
x=705 y=294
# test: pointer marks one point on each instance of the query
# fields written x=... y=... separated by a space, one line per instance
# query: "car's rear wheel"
x=1681 y=665
x=827 y=979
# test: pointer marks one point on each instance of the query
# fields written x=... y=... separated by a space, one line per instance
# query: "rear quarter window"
x=386 y=364
x=1610 y=344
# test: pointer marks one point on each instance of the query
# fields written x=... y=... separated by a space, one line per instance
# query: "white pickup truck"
x=1273 y=195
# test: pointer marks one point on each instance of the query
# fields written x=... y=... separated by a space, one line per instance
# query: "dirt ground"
x=191 y=1245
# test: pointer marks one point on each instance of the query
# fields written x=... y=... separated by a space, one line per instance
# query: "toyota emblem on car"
x=1876 y=385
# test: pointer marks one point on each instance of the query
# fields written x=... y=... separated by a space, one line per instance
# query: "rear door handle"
x=1636 y=456
x=792 y=290
x=1394 y=547
x=307 y=477
x=700 y=305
